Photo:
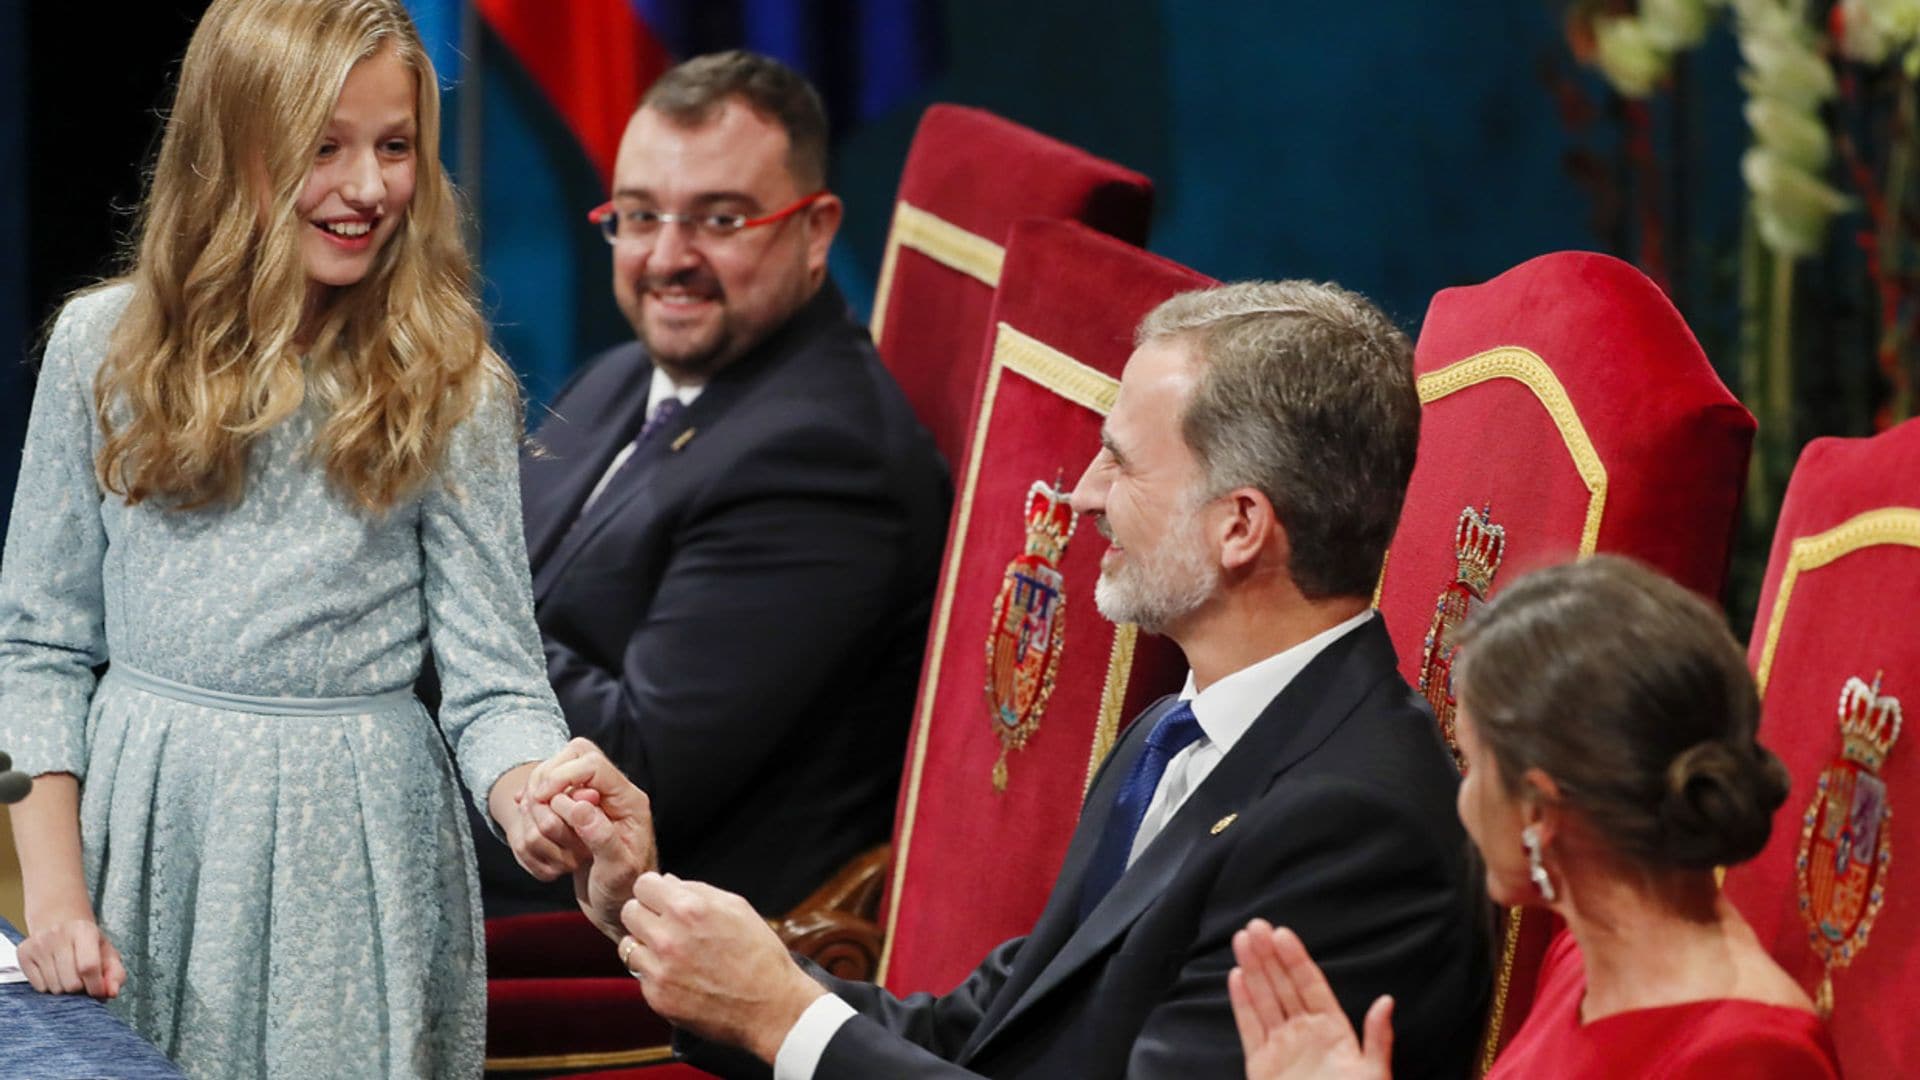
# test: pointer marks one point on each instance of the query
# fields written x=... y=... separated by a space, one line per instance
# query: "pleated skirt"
x=290 y=882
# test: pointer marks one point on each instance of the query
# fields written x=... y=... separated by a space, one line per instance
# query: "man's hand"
x=542 y=843
x=70 y=955
x=610 y=818
x=708 y=962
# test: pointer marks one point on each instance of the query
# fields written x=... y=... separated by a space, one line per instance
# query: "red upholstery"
x=1569 y=362
x=557 y=998
x=973 y=864
x=546 y=944
x=978 y=174
x=1839 y=603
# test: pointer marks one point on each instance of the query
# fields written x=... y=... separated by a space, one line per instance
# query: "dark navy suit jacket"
x=1342 y=826
x=738 y=619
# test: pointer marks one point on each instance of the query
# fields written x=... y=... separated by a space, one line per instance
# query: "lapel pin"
x=1221 y=825
x=684 y=438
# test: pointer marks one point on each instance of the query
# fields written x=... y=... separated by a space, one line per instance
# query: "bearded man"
x=1250 y=477
x=735 y=521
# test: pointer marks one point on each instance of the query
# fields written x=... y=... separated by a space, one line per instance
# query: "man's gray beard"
x=1155 y=592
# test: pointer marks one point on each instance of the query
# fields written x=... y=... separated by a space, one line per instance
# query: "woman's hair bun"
x=1719 y=803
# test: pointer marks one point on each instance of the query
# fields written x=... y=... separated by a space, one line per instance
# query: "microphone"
x=14 y=786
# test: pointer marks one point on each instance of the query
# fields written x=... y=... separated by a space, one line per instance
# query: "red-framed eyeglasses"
x=617 y=225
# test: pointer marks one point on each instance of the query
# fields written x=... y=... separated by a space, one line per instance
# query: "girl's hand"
x=1291 y=1025
x=72 y=955
x=543 y=844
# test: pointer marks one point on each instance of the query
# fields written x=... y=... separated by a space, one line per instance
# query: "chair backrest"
x=1025 y=686
x=969 y=176
x=1836 y=653
x=1567 y=410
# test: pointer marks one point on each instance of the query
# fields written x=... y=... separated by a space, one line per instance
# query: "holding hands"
x=705 y=959
x=543 y=844
x=1291 y=1025
x=579 y=801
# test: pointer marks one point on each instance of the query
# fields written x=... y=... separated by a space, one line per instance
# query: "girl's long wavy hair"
x=208 y=356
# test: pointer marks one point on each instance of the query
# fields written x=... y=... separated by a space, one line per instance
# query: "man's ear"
x=823 y=221
x=1247 y=528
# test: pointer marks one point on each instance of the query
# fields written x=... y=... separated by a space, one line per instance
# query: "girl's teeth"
x=347 y=228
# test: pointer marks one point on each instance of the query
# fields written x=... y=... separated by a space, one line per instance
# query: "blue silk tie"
x=1173 y=732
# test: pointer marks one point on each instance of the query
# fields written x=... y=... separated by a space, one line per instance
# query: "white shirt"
x=657 y=391
x=1224 y=710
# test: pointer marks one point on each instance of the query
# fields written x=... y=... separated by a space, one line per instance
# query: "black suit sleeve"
x=1340 y=864
x=775 y=573
x=1337 y=861
x=907 y=1036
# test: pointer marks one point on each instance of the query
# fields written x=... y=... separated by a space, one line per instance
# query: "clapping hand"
x=1291 y=1025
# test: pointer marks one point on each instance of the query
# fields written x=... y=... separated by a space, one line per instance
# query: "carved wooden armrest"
x=836 y=927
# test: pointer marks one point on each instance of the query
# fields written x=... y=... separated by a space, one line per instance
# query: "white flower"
x=1627 y=56
x=1785 y=67
x=1874 y=30
x=1790 y=205
x=1674 y=25
x=1796 y=137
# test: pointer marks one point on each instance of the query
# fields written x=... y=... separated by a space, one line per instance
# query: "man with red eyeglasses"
x=734 y=522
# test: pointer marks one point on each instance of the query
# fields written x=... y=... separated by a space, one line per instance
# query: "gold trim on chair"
x=1890 y=525
x=940 y=240
x=1113 y=698
x=1085 y=386
x=602 y=1059
x=1526 y=367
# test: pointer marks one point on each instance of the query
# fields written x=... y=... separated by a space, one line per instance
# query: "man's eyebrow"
x=1112 y=447
x=701 y=201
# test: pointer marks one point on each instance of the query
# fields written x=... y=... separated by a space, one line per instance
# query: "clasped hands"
x=705 y=959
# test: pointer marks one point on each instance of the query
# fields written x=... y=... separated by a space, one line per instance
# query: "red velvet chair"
x=1568 y=410
x=1025 y=686
x=969 y=176
x=557 y=997
x=1836 y=652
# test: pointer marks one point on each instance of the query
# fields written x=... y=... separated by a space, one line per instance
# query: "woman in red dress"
x=1607 y=720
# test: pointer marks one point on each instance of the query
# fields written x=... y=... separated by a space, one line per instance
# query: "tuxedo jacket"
x=738 y=619
x=1333 y=815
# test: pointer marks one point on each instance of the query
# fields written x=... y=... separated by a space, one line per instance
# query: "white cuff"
x=808 y=1038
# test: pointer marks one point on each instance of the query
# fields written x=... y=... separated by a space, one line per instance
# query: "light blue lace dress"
x=290 y=879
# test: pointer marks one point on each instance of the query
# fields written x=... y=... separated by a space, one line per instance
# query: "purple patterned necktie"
x=665 y=412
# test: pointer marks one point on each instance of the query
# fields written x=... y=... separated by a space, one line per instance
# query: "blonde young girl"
x=265 y=470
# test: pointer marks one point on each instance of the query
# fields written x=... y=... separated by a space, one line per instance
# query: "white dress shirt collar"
x=1229 y=707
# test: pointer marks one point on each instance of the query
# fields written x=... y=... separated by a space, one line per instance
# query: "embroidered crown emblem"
x=1478 y=547
x=1846 y=834
x=1050 y=522
x=1029 y=625
x=1869 y=723
x=1479 y=544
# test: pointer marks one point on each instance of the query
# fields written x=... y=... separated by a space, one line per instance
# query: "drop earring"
x=1536 y=867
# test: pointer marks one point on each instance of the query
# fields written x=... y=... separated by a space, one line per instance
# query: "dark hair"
x=1630 y=692
x=1306 y=393
x=689 y=93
